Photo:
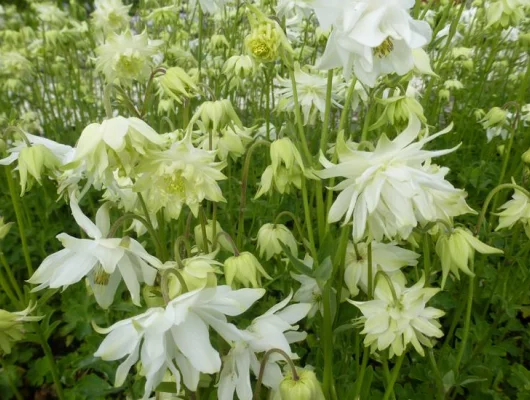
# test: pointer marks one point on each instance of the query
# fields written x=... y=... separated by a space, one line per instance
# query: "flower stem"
x=299 y=122
x=51 y=361
x=393 y=378
x=20 y=221
x=263 y=365
x=467 y=320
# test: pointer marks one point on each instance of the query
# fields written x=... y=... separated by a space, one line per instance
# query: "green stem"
x=328 y=384
x=439 y=381
x=20 y=222
x=393 y=378
x=308 y=223
x=467 y=321
x=427 y=258
x=347 y=105
x=51 y=361
x=360 y=378
x=201 y=34
x=299 y=122
x=263 y=365
x=11 y=277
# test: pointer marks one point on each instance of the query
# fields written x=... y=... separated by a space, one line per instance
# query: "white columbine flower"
x=273 y=330
x=393 y=323
x=126 y=57
x=175 y=338
x=386 y=257
x=110 y=15
x=371 y=37
x=180 y=175
x=116 y=143
x=309 y=291
x=515 y=210
x=389 y=191
x=269 y=238
x=311 y=89
x=104 y=261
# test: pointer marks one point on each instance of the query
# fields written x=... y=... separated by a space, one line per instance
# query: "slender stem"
x=328 y=381
x=7 y=289
x=439 y=381
x=427 y=258
x=467 y=321
x=244 y=182
x=203 y=222
x=369 y=265
x=51 y=361
x=325 y=126
x=308 y=223
x=20 y=221
x=360 y=378
x=299 y=122
x=150 y=227
x=164 y=283
x=393 y=378
x=263 y=365
x=347 y=105
x=201 y=34
x=11 y=277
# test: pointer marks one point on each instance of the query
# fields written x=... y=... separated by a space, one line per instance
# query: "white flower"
x=272 y=330
x=394 y=323
x=386 y=257
x=175 y=337
x=269 y=238
x=211 y=6
x=105 y=261
x=515 y=210
x=116 y=143
x=50 y=13
x=180 y=175
x=126 y=57
x=309 y=291
x=370 y=37
x=229 y=141
x=389 y=191
x=311 y=89
x=110 y=15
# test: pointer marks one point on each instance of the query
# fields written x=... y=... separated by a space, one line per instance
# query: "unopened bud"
x=526 y=157
x=269 y=238
x=306 y=387
x=244 y=269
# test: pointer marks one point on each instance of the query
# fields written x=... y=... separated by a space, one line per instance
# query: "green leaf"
x=297 y=264
x=324 y=270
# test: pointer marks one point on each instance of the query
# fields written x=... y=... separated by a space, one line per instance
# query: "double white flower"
x=389 y=191
x=175 y=338
x=370 y=37
x=104 y=261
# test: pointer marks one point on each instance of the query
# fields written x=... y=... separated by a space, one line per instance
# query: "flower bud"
x=495 y=116
x=198 y=272
x=4 y=228
x=306 y=387
x=269 y=238
x=216 y=115
x=479 y=114
x=267 y=41
x=468 y=65
x=526 y=157
x=245 y=269
x=456 y=249
x=33 y=160
x=177 y=84
x=444 y=94
x=12 y=327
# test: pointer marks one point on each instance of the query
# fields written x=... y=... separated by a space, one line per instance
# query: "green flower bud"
x=215 y=115
x=269 y=238
x=4 y=228
x=496 y=116
x=479 y=114
x=12 y=327
x=306 y=387
x=34 y=160
x=526 y=157
x=177 y=84
x=468 y=64
x=198 y=272
x=444 y=94
x=267 y=41
x=244 y=269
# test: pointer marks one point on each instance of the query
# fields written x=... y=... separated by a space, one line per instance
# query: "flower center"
x=175 y=183
x=384 y=48
x=100 y=276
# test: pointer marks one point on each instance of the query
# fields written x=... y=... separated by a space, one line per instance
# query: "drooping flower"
x=515 y=210
x=244 y=269
x=456 y=249
x=104 y=261
x=393 y=320
x=269 y=238
x=12 y=327
x=180 y=175
x=386 y=257
x=175 y=338
x=126 y=57
x=305 y=387
x=391 y=190
x=370 y=37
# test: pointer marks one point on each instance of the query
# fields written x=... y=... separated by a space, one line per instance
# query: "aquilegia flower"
x=126 y=58
x=515 y=210
x=370 y=37
x=110 y=15
x=391 y=190
x=104 y=261
x=175 y=338
x=386 y=257
x=393 y=323
x=269 y=238
x=180 y=175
